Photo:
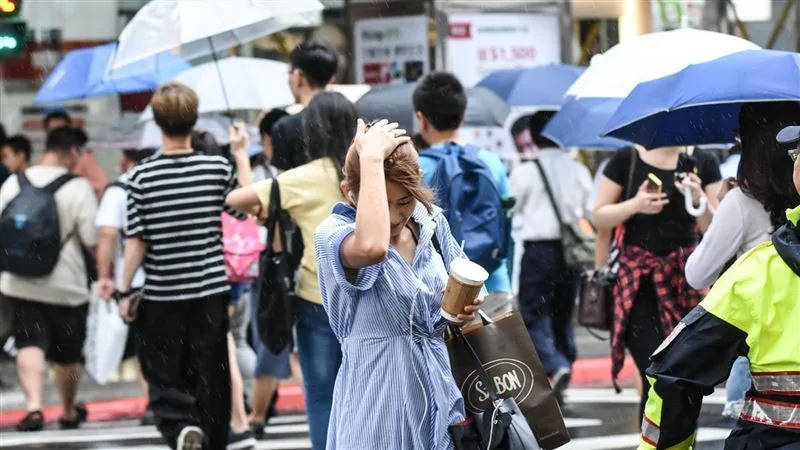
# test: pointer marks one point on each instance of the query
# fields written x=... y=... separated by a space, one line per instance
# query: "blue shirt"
x=499 y=280
x=394 y=389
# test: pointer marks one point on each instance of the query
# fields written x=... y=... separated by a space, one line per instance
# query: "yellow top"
x=308 y=194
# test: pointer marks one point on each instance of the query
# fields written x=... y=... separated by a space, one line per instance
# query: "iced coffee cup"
x=463 y=286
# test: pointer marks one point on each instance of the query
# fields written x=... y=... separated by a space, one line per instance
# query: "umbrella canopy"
x=533 y=86
x=615 y=73
x=81 y=74
x=237 y=83
x=198 y=29
x=700 y=104
x=484 y=108
x=576 y=126
x=131 y=133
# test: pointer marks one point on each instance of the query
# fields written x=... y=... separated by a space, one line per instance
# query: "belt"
x=771 y=412
x=777 y=383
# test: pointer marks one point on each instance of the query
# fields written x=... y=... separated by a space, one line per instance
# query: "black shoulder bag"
x=276 y=279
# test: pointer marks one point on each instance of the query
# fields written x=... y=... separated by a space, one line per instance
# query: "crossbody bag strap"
x=549 y=193
x=619 y=234
x=476 y=360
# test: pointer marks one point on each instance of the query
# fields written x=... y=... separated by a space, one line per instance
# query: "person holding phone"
x=659 y=234
x=382 y=280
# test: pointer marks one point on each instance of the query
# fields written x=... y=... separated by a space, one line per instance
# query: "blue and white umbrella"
x=532 y=86
x=614 y=74
x=700 y=104
x=82 y=73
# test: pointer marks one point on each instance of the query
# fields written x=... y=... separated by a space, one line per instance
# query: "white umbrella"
x=237 y=83
x=616 y=72
x=130 y=133
x=198 y=28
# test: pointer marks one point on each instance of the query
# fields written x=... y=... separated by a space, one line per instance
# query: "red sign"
x=461 y=30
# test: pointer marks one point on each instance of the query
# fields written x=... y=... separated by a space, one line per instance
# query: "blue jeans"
x=739 y=381
x=320 y=357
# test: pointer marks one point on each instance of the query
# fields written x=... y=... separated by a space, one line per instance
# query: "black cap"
x=789 y=134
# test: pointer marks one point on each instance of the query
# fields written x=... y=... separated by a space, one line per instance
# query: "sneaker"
x=257 y=428
x=559 y=382
x=33 y=421
x=241 y=441
x=191 y=438
x=80 y=417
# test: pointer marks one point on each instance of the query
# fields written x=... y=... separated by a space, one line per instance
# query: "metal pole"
x=566 y=26
x=797 y=26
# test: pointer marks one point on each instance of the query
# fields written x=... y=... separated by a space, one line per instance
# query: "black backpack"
x=30 y=233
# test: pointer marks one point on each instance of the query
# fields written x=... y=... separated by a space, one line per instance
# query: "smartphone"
x=654 y=184
x=136 y=301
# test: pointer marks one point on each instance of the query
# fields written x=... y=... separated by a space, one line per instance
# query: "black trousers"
x=644 y=333
x=183 y=350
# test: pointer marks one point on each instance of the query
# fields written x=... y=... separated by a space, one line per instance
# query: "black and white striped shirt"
x=174 y=205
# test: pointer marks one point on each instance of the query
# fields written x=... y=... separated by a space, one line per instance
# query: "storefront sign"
x=479 y=44
x=391 y=50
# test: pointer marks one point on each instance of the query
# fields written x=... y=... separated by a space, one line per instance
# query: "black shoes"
x=80 y=417
x=33 y=421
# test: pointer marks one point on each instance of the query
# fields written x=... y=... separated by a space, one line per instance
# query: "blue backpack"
x=466 y=191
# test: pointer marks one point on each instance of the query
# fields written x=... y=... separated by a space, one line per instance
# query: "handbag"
x=497 y=361
x=578 y=247
x=502 y=425
x=275 y=290
x=596 y=293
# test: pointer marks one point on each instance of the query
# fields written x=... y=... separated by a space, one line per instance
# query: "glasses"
x=794 y=154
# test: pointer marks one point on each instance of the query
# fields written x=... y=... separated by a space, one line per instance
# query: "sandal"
x=80 y=417
x=33 y=421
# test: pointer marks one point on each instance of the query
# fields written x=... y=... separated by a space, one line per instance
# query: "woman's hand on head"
x=379 y=140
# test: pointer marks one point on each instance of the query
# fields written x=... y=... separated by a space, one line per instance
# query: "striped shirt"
x=174 y=204
x=394 y=389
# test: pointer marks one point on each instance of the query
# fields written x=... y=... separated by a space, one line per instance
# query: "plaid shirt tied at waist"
x=675 y=296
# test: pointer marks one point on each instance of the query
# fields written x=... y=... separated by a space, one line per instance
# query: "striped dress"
x=394 y=389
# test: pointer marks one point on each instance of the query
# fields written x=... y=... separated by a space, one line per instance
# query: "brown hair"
x=401 y=167
x=175 y=109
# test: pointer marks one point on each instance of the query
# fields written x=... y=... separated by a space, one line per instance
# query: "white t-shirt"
x=113 y=212
x=66 y=284
x=571 y=182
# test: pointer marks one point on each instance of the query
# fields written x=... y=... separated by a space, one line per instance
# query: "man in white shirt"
x=50 y=311
x=112 y=217
x=547 y=287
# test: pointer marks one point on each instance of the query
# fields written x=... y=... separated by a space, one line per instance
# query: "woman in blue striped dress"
x=382 y=281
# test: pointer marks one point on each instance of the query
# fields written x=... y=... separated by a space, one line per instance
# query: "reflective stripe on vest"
x=650 y=432
x=771 y=412
x=781 y=383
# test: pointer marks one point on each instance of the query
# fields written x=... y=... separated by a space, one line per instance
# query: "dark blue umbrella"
x=581 y=121
x=532 y=86
x=81 y=73
x=700 y=104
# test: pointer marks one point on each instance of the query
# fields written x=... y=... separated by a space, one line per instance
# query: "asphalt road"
x=597 y=419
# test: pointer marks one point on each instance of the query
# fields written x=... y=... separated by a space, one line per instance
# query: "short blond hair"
x=175 y=109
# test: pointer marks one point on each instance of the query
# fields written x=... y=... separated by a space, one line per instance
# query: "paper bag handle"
x=456 y=331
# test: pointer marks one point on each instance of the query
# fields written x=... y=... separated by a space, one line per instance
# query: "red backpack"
x=242 y=244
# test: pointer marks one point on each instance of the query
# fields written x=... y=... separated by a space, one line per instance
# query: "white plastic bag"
x=106 y=335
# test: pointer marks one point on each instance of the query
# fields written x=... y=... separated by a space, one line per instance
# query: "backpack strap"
x=23 y=180
x=549 y=192
x=56 y=184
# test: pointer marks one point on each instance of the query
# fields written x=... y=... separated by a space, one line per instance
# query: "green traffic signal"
x=12 y=40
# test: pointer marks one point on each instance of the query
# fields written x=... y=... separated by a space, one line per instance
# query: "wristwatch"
x=120 y=295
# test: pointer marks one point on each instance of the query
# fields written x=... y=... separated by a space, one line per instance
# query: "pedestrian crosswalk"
x=592 y=428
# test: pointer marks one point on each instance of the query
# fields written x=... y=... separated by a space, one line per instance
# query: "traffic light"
x=10 y=8
x=12 y=39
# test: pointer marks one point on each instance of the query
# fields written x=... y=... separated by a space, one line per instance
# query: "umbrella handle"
x=688 y=204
